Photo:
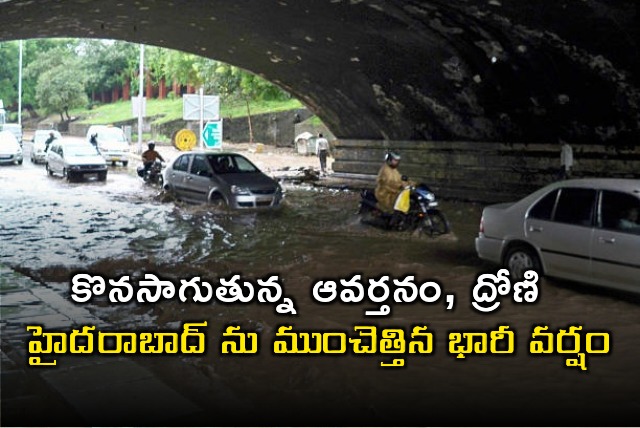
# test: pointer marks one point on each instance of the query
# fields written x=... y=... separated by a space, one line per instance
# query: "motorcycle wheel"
x=436 y=224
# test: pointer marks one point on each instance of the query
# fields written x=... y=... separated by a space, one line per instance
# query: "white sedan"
x=584 y=230
x=10 y=150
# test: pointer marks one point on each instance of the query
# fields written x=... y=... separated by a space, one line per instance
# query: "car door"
x=564 y=236
x=199 y=178
x=55 y=159
x=177 y=176
x=616 y=241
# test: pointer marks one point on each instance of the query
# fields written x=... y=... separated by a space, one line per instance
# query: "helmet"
x=152 y=145
x=389 y=156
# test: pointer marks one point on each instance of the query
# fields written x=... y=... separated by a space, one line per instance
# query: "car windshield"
x=80 y=150
x=111 y=134
x=7 y=139
x=230 y=164
x=42 y=137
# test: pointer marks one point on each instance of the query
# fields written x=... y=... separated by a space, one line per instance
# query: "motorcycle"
x=153 y=174
x=423 y=214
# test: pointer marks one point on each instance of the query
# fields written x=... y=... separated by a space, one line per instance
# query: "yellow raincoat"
x=388 y=185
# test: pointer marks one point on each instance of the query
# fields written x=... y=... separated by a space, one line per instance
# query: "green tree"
x=61 y=88
x=181 y=67
x=255 y=87
x=9 y=73
x=107 y=64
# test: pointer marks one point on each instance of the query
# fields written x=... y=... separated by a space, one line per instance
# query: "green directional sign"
x=212 y=135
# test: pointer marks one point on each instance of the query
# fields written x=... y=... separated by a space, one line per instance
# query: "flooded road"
x=50 y=229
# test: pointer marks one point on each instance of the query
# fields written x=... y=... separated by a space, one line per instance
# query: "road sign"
x=212 y=135
x=185 y=140
x=191 y=107
x=135 y=105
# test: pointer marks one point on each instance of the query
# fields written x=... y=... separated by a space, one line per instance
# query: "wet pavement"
x=51 y=229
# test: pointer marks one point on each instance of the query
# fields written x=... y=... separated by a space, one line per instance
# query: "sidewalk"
x=88 y=390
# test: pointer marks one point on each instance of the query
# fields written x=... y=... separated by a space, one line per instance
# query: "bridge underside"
x=491 y=70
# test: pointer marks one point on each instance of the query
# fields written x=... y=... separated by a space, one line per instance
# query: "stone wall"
x=483 y=172
x=270 y=128
x=276 y=129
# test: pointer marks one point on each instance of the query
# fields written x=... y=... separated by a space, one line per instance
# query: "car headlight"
x=74 y=167
x=238 y=190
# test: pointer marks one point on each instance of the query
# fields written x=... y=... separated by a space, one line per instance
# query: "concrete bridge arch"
x=384 y=71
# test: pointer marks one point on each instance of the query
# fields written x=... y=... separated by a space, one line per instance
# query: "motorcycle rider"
x=389 y=182
x=148 y=158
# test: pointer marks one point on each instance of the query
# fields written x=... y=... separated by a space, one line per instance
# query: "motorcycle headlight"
x=238 y=190
x=431 y=197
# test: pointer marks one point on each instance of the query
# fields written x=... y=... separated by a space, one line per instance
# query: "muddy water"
x=50 y=228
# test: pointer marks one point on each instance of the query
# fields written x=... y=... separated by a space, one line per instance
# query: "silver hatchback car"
x=584 y=230
x=229 y=178
x=75 y=161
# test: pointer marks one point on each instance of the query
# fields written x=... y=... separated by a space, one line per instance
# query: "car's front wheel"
x=48 y=169
x=217 y=200
x=521 y=258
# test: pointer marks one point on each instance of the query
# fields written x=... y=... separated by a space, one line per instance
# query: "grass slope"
x=169 y=110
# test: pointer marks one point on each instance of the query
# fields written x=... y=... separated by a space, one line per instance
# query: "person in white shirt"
x=322 y=150
x=566 y=160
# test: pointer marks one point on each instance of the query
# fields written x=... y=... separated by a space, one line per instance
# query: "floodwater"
x=50 y=229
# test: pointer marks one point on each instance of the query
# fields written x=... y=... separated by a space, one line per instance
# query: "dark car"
x=226 y=177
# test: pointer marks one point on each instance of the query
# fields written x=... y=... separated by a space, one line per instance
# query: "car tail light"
x=481 y=225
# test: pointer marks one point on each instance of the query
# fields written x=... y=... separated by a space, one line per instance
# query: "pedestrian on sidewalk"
x=566 y=160
x=322 y=150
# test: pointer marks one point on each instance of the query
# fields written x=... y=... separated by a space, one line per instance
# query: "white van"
x=111 y=143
